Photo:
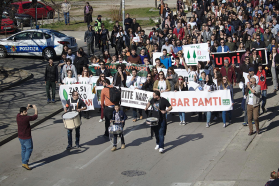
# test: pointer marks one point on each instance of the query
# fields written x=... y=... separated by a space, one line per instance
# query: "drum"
x=115 y=129
x=71 y=120
x=152 y=121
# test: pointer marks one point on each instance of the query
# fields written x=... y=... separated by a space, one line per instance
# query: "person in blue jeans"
x=226 y=85
x=118 y=118
x=74 y=104
x=209 y=86
x=181 y=85
x=66 y=7
x=160 y=106
x=24 y=133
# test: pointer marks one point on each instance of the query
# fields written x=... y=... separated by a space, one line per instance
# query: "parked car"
x=7 y=25
x=20 y=18
x=37 y=42
x=26 y=7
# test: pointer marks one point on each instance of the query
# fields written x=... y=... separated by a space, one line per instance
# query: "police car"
x=36 y=42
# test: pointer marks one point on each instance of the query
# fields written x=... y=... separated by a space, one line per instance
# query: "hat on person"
x=99 y=16
x=251 y=69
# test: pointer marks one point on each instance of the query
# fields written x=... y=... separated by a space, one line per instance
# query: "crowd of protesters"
x=226 y=26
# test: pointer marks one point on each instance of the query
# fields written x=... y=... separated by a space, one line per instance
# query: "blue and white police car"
x=37 y=42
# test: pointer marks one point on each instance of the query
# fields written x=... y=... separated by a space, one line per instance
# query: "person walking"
x=89 y=40
x=66 y=7
x=51 y=78
x=24 y=133
x=253 y=93
x=74 y=104
x=88 y=11
x=160 y=106
x=273 y=63
x=262 y=82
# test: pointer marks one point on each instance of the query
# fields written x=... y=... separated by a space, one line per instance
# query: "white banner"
x=135 y=98
x=195 y=52
x=85 y=93
x=186 y=101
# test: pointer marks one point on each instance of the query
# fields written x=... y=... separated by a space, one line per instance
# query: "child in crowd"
x=118 y=118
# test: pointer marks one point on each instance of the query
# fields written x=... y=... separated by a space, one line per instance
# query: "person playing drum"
x=159 y=105
x=118 y=118
x=74 y=104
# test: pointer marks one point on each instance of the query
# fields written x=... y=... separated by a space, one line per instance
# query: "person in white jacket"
x=66 y=7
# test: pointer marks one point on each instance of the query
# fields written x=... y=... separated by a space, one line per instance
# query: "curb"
x=17 y=83
x=32 y=126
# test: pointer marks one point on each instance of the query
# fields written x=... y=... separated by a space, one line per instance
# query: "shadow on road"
x=139 y=141
x=181 y=140
x=57 y=157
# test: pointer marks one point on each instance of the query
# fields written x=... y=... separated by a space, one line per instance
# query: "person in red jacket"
x=24 y=133
x=179 y=32
x=262 y=82
x=229 y=72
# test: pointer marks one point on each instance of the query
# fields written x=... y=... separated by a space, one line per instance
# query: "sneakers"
x=69 y=147
x=207 y=125
x=101 y=120
x=224 y=126
x=123 y=146
x=183 y=123
x=48 y=100
x=157 y=147
x=161 y=150
x=53 y=101
x=180 y=123
x=244 y=123
x=113 y=148
x=215 y=118
x=140 y=117
x=26 y=167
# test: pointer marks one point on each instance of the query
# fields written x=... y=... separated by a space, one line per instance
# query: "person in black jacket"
x=258 y=43
x=134 y=25
x=148 y=85
x=79 y=62
x=51 y=78
x=103 y=70
x=89 y=40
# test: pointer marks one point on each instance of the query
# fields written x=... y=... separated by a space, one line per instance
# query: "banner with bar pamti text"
x=186 y=101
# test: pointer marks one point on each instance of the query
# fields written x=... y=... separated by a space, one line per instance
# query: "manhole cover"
x=131 y=173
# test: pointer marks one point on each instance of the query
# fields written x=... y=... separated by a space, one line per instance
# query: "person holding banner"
x=135 y=83
x=100 y=82
x=181 y=85
x=172 y=77
x=120 y=77
x=69 y=80
x=159 y=105
x=161 y=85
x=103 y=70
x=74 y=104
x=224 y=86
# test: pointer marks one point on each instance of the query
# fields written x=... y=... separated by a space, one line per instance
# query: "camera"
x=31 y=106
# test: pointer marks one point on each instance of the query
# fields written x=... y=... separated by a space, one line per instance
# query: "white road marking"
x=96 y=157
x=3 y=178
x=214 y=183
x=63 y=182
x=181 y=184
x=36 y=165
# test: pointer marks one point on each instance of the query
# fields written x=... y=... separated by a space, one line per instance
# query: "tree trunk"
x=155 y=3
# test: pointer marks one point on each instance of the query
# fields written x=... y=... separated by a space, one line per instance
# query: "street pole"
x=123 y=13
x=36 y=13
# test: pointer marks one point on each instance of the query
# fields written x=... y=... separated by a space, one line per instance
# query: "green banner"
x=141 y=69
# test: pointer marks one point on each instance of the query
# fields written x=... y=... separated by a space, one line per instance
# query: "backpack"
x=114 y=94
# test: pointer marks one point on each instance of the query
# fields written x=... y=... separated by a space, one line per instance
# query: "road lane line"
x=100 y=154
x=3 y=178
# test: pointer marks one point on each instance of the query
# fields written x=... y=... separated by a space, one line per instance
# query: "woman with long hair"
x=172 y=77
x=120 y=40
x=106 y=56
x=154 y=74
x=162 y=85
x=101 y=82
x=209 y=86
x=84 y=77
x=119 y=78
x=65 y=49
x=181 y=86
x=69 y=79
x=226 y=85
